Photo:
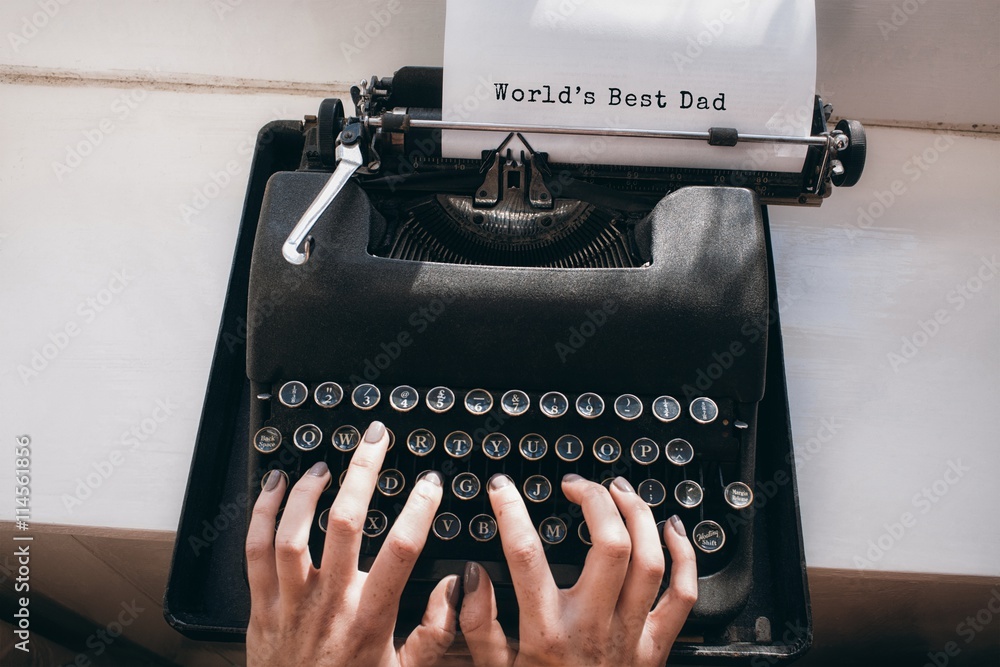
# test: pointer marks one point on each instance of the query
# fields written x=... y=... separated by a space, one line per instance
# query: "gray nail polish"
x=375 y=432
x=677 y=526
x=622 y=485
x=455 y=592
x=498 y=481
x=432 y=476
x=319 y=469
x=272 y=480
x=471 y=577
x=572 y=477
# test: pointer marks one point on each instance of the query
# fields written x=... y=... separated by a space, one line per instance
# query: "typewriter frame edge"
x=229 y=366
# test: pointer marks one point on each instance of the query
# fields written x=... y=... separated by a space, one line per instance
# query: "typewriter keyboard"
x=681 y=456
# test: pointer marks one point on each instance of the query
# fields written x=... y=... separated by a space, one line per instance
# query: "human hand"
x=337 y=615
x=608 y=617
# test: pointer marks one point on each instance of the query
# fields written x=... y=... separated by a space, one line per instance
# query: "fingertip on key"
x=499 y=481
x=375 y=432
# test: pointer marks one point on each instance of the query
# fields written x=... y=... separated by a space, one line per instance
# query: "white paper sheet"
x=749 y=65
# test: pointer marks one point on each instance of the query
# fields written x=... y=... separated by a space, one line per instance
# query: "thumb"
x=436 y=632
x=486 y=639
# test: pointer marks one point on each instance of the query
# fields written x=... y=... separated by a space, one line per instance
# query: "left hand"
x=337 y=615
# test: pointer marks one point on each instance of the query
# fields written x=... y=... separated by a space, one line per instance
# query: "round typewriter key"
x=458 y=444
x=307 y=437
x=328 y=395
x=365 y=396
x=345 y=438
x=293 y=394
x=465 y=486
x=628 y=407
x=515 y=402
x=738 y=495
x=533 y=447
x=479 y=401
x=584 y=532
x=652 y=491
x=375 y=523
x=606 y=481
x=440 y=399
x=483 y=528
x=552 y=530
x=607 y=449
x=704 y=410
x=660 y=527
x=391 y=482
x=324 y=519
x=569 y=448
x=446 y=526
x=421 y=442
x=645 y=451
x=708 y=536
x=688 y=494
x=589 y=405
x=554 y=404
x=404 y=398
x=666 y=408
x=496 y=446
x=267 y=439
x=280 y=472
x=679 y=451
x=537 y=488
x=392 y=439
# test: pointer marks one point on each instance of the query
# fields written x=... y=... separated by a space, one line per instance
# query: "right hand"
x=611 y=615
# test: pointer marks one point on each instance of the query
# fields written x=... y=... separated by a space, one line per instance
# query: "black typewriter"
x=512 y=314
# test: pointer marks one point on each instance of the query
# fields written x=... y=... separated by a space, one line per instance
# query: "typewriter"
x=516 y=315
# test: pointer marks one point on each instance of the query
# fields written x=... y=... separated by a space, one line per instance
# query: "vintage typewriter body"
x=513 y=315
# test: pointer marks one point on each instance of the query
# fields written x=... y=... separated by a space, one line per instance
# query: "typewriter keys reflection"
x=537 y=488
x=708 y=536
x=652 y=491
x=704 y=410
x=738 y=495
x=440 y=399
x=293 y=394
x=496 y=446
x=679 y=451
x=666 y=409
x=483 y=528
x=478 y=401
x=554 y=404
x=375 y=523
x=552 y=530
x=307 y=437
x=267 y=439
x=391 y=482
x=589 y=405
x=345 y=438
x=404 y=398
x=458 y=444
x=465 y=486
x=515 y=402
x=569 y=448
x=365 y=396
x=688 y=494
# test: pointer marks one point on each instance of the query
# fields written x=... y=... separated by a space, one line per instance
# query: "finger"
x=291 y=544
x=670 y=613
x=645 y=570
x=478 y=619
x=529 y=570
x=607 y=561
x=261 y=572
x=404 y=543
x=350 y=507
x=436 y=632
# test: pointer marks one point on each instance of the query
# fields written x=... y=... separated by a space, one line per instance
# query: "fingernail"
x=432 y=476
x=622 y=484
x=319 y=469
x=454 y=592
x=498 y=481
x=272 y=480
x=375 y=432
x=471 y=577
x=571 y=477
x=677 y=525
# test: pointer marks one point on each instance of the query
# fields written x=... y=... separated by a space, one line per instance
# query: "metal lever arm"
x=349 y=158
